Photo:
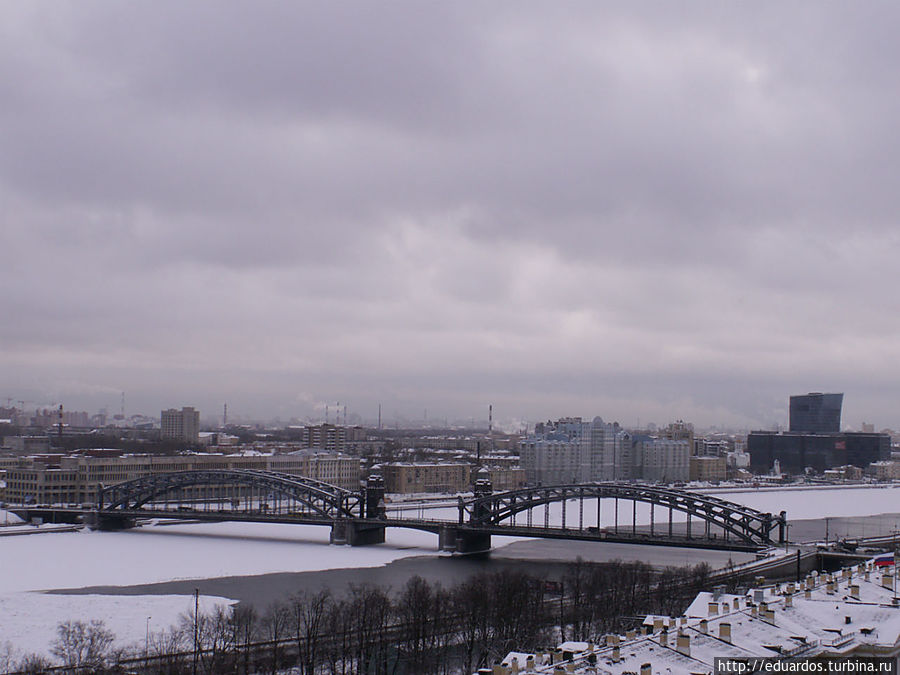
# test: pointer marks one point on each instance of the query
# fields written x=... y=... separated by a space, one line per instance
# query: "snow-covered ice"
x=820 y=502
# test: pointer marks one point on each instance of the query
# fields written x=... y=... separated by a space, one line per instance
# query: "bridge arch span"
x=738 y=520
x=323 y=499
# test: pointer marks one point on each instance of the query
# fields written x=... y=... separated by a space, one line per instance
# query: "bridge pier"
x=356 y=533
x=108 y=522
x=458 y=540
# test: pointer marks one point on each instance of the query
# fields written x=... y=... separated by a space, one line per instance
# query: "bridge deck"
x=61 y=515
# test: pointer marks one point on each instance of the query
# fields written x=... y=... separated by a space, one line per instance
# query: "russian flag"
x=884 y=560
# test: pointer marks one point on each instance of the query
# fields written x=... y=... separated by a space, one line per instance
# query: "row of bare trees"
x=425 y=628
x=598 y=599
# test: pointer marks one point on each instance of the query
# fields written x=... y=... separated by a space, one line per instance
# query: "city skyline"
x=640 y=212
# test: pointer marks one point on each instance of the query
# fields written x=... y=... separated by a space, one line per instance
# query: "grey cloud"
x=547 y=203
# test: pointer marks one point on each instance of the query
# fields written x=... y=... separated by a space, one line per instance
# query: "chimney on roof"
x=704 y=626
x=683 y=645
x=646 y=669
x=725 y=632
x=854 y=591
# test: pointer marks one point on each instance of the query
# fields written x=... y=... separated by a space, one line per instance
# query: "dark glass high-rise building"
x=816 y=413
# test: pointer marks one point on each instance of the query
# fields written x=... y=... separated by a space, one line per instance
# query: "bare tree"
x=276 y=624
x=34 y=664
x=167 y=647
x=372 y=615
x=338 y=650
x=415 y=613
x=310 y=613
x=7 y=657
x=81 y=645
x=244 y=626
x=471 y=603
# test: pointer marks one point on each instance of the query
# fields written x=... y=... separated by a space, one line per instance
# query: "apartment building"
x=708 y=469
x=571 y=450
x=660 y=460
x=504 y=478
x=402 y=477
x=181 y=425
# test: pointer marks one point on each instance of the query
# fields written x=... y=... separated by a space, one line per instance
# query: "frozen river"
x=203 y=551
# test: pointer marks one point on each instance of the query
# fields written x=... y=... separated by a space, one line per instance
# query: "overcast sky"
x=644 y=211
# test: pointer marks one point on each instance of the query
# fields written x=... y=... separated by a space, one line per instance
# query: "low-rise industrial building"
x=797 y=451
x=58 y=479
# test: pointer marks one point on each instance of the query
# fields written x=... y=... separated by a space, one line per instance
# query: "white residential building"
x=570 y=451
x=661 y=460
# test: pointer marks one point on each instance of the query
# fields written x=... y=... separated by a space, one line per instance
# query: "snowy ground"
x=29 y=620
x=196 y=551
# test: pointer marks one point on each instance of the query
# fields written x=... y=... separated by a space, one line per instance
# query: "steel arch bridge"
x=359 y=517
x=735 y=520
x=323 y=500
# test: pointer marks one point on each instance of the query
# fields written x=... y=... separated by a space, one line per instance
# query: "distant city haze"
x=645 y=212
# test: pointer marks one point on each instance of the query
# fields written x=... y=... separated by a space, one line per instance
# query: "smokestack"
x=225 y=416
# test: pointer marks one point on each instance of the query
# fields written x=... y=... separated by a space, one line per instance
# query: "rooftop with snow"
x=853 y=612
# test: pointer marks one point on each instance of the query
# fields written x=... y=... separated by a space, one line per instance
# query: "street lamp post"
x=196 y=627
x=147 y=641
